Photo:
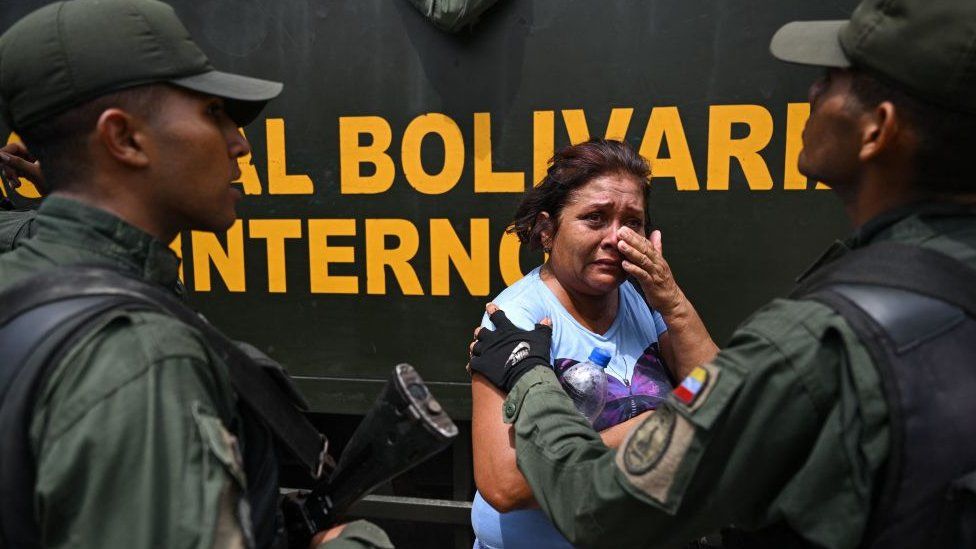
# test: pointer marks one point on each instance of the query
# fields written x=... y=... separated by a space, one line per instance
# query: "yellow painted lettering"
x=321 y=255
x=796 y=118
x=279 y=180
x=177 y=246
x=274 y=232
x=722 y=147
x=664 y=126
x=576 y=126
x=410 y=157
x=352 y=155
x=508 y=258
x=379 y=257
x=229 y=263
x=579 y=131
x=446 y=249
x=249 y=179
x=543 y=143
x=486 y=180
x=618 y=124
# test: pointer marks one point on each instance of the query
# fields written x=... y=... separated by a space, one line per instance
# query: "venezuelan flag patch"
x=692 y=386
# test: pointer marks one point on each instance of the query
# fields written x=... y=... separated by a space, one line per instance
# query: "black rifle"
x=405 y=426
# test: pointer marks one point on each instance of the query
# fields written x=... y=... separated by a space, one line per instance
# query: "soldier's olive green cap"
x=67 y=53
x=927 y=47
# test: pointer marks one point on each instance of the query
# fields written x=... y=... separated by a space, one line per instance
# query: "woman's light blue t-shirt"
x=632 y=342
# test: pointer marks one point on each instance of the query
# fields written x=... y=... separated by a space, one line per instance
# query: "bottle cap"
x=600 y=357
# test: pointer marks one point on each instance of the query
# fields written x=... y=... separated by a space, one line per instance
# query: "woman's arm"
x=613 y=436
x=495 y=471
x=687 y=343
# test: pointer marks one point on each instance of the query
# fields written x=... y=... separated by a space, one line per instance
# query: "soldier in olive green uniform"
x=786 y=434
x=136 y=433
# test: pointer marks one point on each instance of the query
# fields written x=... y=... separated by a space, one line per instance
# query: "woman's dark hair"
x=570 y=169
x=946 y=137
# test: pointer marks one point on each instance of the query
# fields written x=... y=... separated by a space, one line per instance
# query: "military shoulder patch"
x=647 y=443
x=692 y=386
x=653 y=453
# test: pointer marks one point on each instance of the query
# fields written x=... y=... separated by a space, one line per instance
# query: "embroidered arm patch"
x=659 y=456
x=653 y=452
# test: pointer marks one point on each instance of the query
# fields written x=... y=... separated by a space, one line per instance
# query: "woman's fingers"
x=656 y=242
x=640 y=244
x=18 y=150
x=634 y=256
x=643 y=260
x=641 y=252
x=635 y=271
x=17 y=162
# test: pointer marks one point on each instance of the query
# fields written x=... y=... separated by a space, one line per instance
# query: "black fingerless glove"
x=507 y=353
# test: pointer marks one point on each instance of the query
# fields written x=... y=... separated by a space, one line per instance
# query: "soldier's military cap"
x=926 y=47
x=67 y=53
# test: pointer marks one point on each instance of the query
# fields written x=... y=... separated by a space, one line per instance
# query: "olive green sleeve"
x=133 y=450
x=14 y=227
x=721 y=456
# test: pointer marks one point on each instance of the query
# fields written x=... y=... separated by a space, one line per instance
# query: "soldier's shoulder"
x=800 y=336
x=157 y=335
x=129 y=348
x=793 y=318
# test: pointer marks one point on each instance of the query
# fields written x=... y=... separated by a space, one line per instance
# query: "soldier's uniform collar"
x=878 y=227
x=75 y=223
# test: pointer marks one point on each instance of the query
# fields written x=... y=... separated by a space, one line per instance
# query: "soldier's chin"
x=225 y=225
x=217 y=224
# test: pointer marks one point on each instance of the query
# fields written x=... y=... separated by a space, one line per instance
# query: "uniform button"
x=509 y=409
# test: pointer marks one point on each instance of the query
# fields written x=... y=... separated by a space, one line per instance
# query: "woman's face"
x=584 y=258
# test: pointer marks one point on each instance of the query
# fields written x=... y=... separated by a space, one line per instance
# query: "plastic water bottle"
x=586 y=384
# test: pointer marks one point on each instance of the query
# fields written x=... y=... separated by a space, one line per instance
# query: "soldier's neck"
x=879 y=190
x=121 y=205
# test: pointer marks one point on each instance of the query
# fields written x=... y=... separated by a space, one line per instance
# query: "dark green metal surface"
x=731 y=249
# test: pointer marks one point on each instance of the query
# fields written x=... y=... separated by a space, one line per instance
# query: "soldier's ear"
x=123 y=137
x=882 y=131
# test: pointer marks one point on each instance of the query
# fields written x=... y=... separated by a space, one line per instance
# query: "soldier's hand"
x=505 y=354
x=16 y=162
x=643 y=259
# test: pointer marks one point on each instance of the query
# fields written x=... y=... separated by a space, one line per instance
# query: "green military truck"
x=382 y=181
